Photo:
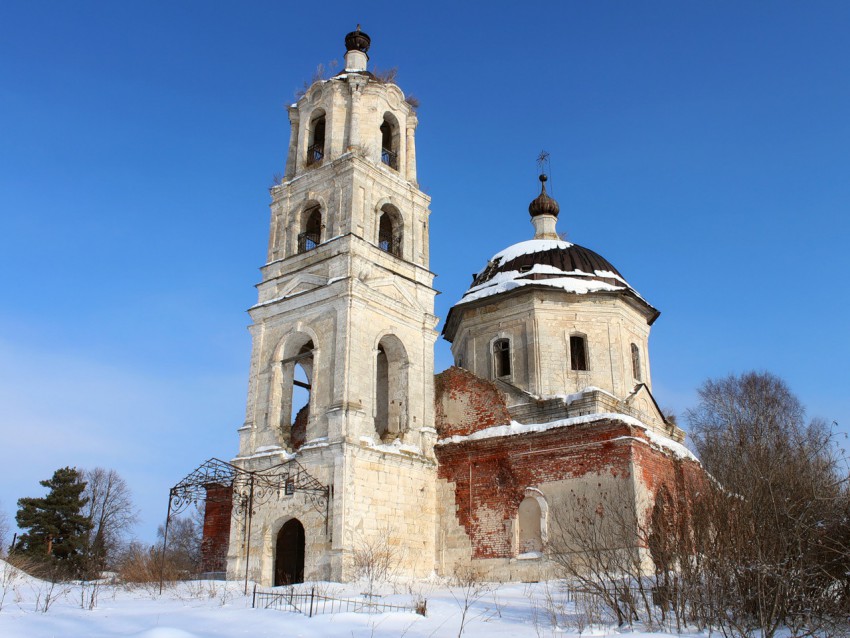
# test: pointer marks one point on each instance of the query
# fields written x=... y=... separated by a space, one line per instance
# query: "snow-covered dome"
x=550 y=263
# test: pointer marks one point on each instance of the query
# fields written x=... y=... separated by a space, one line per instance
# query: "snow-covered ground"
x=207 y=609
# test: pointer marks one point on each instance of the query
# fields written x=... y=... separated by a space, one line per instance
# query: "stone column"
x=356 y=86
x=293 y=143
x=410 y=167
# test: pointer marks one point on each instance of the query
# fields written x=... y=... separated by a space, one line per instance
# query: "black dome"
x=357 y=40
x=560 y=255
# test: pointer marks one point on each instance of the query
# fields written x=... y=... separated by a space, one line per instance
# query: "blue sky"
x=702 y=147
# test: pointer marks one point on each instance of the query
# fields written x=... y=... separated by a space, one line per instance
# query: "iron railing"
x=315 y=153
x=389 y=158
x=311 y=603
x=307 y=241
x=392 y=246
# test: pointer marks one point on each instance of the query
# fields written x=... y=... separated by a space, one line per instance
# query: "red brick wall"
x=491 y=475
x=664 y=476
x=216 y=528
x=465 y=403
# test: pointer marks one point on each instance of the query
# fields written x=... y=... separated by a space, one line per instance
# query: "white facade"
x=347 y=297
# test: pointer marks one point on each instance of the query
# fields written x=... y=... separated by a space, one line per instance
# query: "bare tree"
x=777 y=553
x=185 y=539
x=111 y=512
x=4 y=532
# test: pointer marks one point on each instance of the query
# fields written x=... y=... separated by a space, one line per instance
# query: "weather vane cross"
x=542 y=160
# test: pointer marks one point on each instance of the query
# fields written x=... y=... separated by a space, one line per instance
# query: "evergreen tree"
x=57 y=528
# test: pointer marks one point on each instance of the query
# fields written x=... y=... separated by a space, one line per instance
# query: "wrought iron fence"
x=311 y=603
x=315 y=153
x=389 y=158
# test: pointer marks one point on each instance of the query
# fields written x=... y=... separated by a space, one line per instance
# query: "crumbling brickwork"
x=491 y=475
x=466 y=403
x=216 y=528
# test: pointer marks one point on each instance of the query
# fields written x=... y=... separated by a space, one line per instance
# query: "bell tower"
x=345 y=326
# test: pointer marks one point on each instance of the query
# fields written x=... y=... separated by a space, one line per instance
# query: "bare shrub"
x=89 y=593
x=4 y=532
x=386 y=76
x=468 y=588
x=321 y=73
x=9 y=576
x=377 y=558
x=412 y=101
x=551 y=608
x=597 y=545
x=141 y=566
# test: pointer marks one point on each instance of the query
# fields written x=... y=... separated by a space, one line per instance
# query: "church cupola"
x=544 y=213
x=356 y=48
x=547 y=319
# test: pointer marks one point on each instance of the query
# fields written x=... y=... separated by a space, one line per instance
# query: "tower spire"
x=544 y=209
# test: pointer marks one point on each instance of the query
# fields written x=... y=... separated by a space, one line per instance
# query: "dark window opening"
x=389 y=144
x=316 y=149
x=578 y=353
x=389 y=239
x=312 y=235
x=636 y=362
x=502 y=357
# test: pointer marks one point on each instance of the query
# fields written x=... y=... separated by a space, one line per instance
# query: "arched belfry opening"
x=297 y=380
x=390 y=388
x=390 y=229
x=316 y=146
x=390 y=140
x=289 y=554
x=311 y=229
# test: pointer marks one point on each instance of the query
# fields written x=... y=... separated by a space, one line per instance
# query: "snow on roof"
x=658 y=440
x=528 y=247
x=574 y=281
x=396 y=447
x=678 y=450
x=575 y=396
x=268 y=451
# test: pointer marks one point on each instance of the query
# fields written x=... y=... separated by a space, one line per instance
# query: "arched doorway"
x=289 y=554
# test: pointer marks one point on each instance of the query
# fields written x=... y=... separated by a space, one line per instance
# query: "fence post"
x=312 y=594
x=254 y=599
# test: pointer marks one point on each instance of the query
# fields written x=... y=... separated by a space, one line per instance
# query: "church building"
x=550 y=396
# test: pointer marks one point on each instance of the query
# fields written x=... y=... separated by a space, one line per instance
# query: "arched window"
x=311 y=234
x=578 y=352
x=530 y=522
x=390 y=388
x=390 y=230
x=316 y=148
x=297 y=379
x=390 y=141
x=502 y=358
x=636 y=373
